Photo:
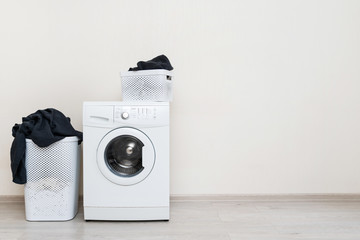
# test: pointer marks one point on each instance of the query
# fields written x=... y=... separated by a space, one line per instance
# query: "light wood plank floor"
x=232 y=218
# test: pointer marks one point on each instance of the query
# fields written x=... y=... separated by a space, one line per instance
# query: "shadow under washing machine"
x=126 y=160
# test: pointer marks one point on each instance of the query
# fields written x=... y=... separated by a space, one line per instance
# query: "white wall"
x=266 y=94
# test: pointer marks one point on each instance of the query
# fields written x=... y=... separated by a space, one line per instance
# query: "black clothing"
x=159 y=62
x=44 y=127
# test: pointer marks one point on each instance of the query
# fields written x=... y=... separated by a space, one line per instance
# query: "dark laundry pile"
x=44 y=127
x=159 y=62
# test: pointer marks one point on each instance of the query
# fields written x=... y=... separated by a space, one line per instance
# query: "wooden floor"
x=243 y=218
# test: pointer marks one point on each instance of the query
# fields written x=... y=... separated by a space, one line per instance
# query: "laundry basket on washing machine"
x=147 y=85
x=52 y=188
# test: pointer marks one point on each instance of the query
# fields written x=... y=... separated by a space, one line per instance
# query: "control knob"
x=125 y=115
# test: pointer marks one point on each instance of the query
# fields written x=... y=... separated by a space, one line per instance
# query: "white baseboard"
x=267 y=197
x=237 y=197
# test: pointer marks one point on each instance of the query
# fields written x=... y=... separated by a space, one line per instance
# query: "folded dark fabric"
x=44 y=127
x=159 y=62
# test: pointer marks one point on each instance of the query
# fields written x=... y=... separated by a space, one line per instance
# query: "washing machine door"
x=125 y=156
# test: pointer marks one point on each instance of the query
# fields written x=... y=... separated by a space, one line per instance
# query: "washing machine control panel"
x=120 y=115
x=135 y=113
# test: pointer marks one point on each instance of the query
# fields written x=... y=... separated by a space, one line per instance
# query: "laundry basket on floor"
x=52 y=188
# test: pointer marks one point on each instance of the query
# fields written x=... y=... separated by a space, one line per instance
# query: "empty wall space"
x=266 y=93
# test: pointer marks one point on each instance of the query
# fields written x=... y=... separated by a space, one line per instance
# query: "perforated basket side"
x=146 y=87
x=51 y=191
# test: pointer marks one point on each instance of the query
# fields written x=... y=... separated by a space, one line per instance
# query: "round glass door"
x=125 y=156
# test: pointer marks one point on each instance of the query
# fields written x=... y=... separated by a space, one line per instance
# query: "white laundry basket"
x=147 y=85
x=52 y=188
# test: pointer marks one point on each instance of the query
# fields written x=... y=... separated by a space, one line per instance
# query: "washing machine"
x=126 y=160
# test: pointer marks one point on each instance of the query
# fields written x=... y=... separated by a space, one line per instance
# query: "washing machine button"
x=125 y=115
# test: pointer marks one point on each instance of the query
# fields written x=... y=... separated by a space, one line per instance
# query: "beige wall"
x=266 y=94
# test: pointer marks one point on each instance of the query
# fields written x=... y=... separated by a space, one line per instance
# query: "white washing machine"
x=126 y=160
